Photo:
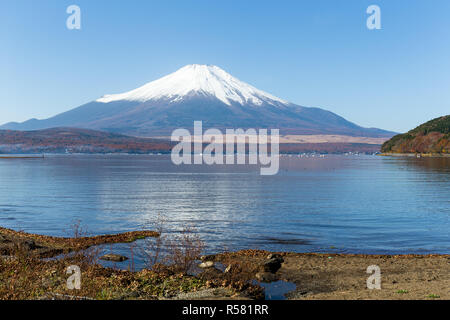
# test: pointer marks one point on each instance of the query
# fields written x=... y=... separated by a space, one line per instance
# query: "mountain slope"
x=430 y=137
x=198 y=92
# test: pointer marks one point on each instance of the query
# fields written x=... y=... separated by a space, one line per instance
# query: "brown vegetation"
x=60 y=140
x=48 y=246
x=432 y=137
x=25 y=275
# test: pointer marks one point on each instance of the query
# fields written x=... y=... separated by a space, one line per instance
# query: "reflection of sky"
x=336 y=203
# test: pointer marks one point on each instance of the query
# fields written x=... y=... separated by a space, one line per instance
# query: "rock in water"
x=206 y=264
x=113 y=257
x=272 y=265
x=275 y=256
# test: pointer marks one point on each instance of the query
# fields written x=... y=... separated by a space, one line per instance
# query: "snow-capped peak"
x=197 y=79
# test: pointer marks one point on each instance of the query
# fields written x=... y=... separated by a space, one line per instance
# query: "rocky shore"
x=48 y=246
x=36 y=267
x=344 y=276
x=27 y=273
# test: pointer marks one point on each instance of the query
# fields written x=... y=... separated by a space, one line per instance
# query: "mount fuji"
x=194 y=93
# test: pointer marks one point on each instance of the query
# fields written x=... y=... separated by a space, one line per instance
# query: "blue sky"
x=314 y=53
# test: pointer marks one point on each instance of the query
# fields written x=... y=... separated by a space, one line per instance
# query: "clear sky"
x=314 y=53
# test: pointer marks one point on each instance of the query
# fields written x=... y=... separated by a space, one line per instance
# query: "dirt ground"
x=335 y=276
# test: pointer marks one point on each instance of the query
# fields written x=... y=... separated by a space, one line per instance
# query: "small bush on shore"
x=173 y=254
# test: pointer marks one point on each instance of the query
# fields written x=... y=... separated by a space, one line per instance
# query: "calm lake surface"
x=349 y=204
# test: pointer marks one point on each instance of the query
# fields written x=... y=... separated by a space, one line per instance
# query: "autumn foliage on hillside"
x=72 y=140
x=430 y=137
x=57 y=140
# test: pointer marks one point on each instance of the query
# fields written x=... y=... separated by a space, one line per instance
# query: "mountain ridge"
x=198 y=92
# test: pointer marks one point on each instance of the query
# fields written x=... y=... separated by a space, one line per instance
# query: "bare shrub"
x=184 y=250
x=76 y=229
x=86 y=257
x=131 y=266
x=152 y=250
x=176 y=253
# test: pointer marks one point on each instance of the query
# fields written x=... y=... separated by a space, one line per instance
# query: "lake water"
x=348 y=204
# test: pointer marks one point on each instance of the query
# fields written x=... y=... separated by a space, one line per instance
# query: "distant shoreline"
x=415 y=155
x=21 y=157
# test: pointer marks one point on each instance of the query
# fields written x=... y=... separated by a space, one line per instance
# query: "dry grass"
x=26 y=275
x=31 y=278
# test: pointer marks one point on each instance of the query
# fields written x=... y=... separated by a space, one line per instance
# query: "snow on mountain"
x=201 y=80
